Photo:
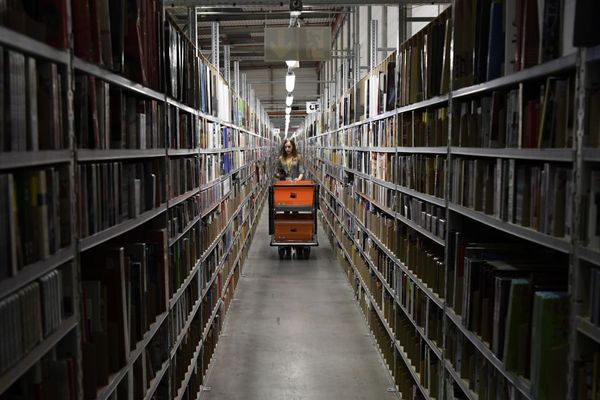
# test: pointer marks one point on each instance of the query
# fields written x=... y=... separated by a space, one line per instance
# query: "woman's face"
x=288 y=148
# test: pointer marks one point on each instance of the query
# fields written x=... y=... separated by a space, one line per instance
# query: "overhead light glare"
x=293 y=63
x=288 y=110
x=289 y=100
x=290 y=81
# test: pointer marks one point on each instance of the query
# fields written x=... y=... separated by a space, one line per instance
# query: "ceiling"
x=241 y=26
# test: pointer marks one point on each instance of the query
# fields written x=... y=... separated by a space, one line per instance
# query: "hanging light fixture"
x=290 y=81
x=293 y=63
x=289 y=100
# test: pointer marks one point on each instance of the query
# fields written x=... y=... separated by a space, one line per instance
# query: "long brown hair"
x=283 y=155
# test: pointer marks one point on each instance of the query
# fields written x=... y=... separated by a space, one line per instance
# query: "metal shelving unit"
x=524 y=233
x=70 y=67
x=85 y=155
x=558 y=155
x=27 y=159
x=118 y=80
x=117 y=230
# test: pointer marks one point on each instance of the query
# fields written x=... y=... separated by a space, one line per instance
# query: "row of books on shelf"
x=420 y=358
x=529 y=194
x=427 y=216
x=184 y=175
x=184 y=213
x=33 y=313
x=480 y=295
x=35 y=206
x=379 y=165
x=594 y=298
x=54 y=376
x=526 y=296
x=120 y=38
x=32 y=109
x=109 y=117
x=534 y=115
x=587 y=376
x=111 y=193
x=382 y=195
x=497 y=38
x=125 y=287
x=181 y=312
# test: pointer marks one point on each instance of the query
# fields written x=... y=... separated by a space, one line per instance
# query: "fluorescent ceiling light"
x=290 y=81
x=293 y=63
x=289 y=100
x=288 y=110
x=287 y=118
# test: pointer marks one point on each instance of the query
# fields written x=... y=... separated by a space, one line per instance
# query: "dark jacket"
x=289 y=171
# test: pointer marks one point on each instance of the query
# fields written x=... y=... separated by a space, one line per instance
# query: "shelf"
x=383 y=115
x=383 y=208
x=85 y=155
x=156 y=381
x=435 y=101
x=24 y=364
x=36 y=270
x=426 y=197
x=114 y=380
x=380 y=314
x=585 y=327
x=115 y=79
x=215 y=151
x=461 y=383
x=183 y=197
x=185 y=230
x=188 y=373
x=424 y=288
x=564 y=155
x=591 y=155
x=384 y=183
x=27 y=45
x=190 y=369
x=422 y=150
x=182 y=152
x=513 y=379
x=211 y=183
x=589 y=254
x=186 y=327
x=203 y=256
x=26 y=159
x=538 y=71
x=107 y=234
x=184 y=285
x=520 y=231
x=181 y=106
x=420 y=229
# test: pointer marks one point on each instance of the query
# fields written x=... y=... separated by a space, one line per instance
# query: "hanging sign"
x=313 y=107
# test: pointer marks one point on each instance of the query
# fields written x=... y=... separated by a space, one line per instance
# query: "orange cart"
x=293 y=209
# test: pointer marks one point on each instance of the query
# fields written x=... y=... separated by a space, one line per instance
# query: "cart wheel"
x=281 y=251
x=288 y=253
x=306 y=253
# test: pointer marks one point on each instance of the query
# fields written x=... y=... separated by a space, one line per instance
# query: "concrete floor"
x=295 y=332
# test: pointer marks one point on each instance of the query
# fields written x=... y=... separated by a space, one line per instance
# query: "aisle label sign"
x=313 y=107
x=276 y=131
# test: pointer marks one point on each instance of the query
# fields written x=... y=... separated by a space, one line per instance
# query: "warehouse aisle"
x=295 y=332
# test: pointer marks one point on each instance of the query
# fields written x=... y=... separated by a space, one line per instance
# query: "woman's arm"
x=300 y=170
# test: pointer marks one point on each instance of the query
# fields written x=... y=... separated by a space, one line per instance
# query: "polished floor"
x=294 y=332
